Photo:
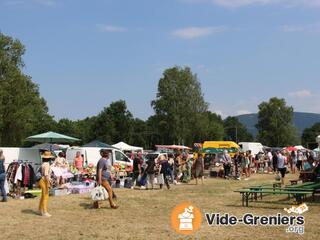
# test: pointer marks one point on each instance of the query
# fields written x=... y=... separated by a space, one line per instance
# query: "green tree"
x=208 y=126
x=236 y=131
x=275 y=124
x=309 y=135
x=139 y=133
x=22 y=110
x=113 y=124
x=178 y=105
x=84 y=129
x=67 y=127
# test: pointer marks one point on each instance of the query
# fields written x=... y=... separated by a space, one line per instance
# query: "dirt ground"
x=146 y=214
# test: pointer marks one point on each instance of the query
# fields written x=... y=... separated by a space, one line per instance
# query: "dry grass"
x=146 y=214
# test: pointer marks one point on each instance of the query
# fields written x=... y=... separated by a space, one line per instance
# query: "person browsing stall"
x=2 y=177
x=45 y=183
x=282 y=166
x=78 y=161
x=104 y=174
x=137 y=162
x=61 y=163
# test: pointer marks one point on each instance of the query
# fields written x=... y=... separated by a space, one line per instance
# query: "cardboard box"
x=58 y=192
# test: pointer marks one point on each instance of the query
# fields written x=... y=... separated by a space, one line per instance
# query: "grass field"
x=146 y=214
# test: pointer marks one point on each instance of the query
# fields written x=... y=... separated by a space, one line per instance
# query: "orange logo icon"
x=186 y=218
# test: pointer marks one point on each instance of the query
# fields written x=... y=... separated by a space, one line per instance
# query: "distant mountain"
x=300 y=120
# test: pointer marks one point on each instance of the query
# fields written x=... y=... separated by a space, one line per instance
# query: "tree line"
x=181 y=114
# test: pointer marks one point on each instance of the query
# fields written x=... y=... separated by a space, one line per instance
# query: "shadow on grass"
x=30 y=211
x=86 y=205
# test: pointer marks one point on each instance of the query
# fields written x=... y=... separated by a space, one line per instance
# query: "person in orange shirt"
x=78 y=161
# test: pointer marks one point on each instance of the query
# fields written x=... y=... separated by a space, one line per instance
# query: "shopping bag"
x=99 y=193
x=160 y=179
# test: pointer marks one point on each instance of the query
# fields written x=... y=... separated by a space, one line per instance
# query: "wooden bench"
x=246 y=193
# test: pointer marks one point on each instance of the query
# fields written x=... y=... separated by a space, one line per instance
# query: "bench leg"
x=243 y=198
x=313 y=198
x=298 y=198
x=247 y=199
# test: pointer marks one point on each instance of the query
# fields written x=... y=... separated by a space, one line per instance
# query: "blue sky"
x=86 y=54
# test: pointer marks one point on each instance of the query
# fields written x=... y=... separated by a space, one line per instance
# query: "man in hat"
x=104 y=173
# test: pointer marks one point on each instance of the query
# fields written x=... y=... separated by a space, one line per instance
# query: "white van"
x=92 y=155
x=255 y=147
x=14 y=154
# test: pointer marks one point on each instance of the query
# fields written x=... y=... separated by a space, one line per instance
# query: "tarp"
x=98 y=144
x=126 y=147
x=299 y=147
x=48 y=147
x=291 y=148
x=177 y=147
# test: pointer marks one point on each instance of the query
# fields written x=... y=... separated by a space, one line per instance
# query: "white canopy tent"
x=126 y=147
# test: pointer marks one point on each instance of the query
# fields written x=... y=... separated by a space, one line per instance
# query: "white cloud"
x=241 y=3
x=48 y=3
x=111 y=28
x=219 y=112
x=242 y=112
x=196 y=32
x=301 y=28
x=300 y=94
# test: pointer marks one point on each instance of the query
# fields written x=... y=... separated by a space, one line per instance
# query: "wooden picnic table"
x=298 y=191
x=246 y=193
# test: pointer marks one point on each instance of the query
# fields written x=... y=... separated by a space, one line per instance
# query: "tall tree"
x=208 y=126
x=179 y=101
x=274 y=125
x=114 y=123
x=22 y=110
x=139 y=133
x=309 y=135
x=236 y=131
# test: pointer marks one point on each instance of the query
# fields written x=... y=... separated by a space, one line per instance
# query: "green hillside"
x=300 y=121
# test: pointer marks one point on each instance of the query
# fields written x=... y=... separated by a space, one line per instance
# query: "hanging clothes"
x=11 y=172
x=18 y=174
x=28 y=176
x=25 y=175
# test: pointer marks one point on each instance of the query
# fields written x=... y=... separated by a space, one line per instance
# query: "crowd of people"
x=166 y=169
x=172 y=168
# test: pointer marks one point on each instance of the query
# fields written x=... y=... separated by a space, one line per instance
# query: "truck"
x=91 y=155
x=254 y=147
x=217 y=147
